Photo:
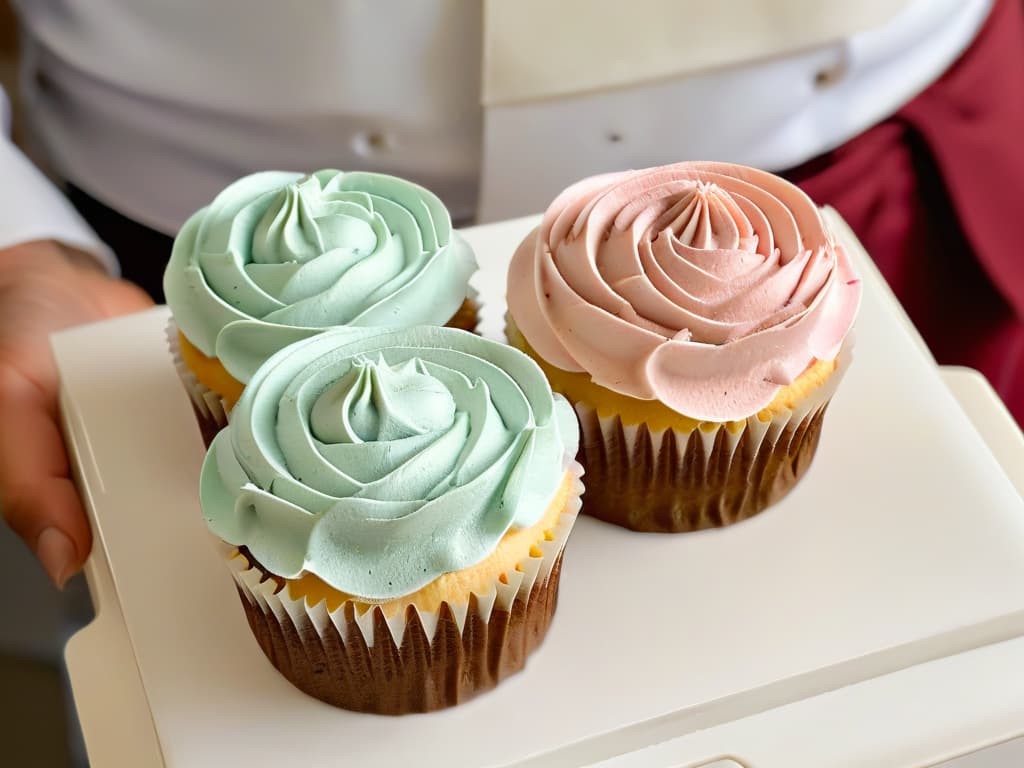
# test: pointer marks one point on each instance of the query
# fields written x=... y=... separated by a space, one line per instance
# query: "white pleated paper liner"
x=210 y=408
x=675 y=480
x=358 y=658
x=670 y=480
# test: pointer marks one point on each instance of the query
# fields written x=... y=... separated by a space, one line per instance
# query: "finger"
x=37 y=496
x=118 y=297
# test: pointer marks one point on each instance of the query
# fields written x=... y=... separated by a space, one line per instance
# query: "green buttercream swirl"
x=379 y=463
x=277 y=256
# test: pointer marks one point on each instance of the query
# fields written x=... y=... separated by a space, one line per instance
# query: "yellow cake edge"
x=579 y=388
x=210 y=372
x=455 y=587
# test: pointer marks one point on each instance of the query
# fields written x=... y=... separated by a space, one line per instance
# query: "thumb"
x=117 y=297
x=39 y=501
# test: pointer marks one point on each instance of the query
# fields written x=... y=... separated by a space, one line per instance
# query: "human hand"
x=45 y=287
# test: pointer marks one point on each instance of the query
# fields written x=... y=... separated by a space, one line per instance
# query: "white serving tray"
x=903 y=545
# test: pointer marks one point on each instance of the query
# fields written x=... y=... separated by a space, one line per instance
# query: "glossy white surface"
x=898 y=547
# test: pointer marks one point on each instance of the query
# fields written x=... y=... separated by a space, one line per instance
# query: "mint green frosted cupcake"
x=278 y=257
x=394 y=510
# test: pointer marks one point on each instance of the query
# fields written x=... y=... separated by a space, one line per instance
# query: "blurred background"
x=910 y=128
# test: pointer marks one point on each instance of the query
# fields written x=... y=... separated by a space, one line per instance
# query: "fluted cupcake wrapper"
x=210 y=408
x=672 y=481
x=414 y=661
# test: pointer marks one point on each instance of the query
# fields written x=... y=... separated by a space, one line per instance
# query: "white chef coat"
x=153 y=107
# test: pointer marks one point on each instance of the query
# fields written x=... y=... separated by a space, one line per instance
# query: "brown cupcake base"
x=359 y=657
x=421 y=674
x=713 y=475
x=669 y=482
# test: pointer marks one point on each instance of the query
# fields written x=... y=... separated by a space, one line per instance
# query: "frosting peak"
x=376 y=402
x=380 y=462
x=298 y=226
x=277 y=257
x=706 y=218
x=706 y=286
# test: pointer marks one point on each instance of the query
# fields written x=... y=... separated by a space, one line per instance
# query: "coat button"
x=371 y=143
x=828 y=76
x=42 y=80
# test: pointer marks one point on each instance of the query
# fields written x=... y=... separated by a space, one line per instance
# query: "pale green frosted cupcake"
x=278 y=257
x=394 y=510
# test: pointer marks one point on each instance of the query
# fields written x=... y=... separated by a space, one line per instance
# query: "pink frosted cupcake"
x=695 y=315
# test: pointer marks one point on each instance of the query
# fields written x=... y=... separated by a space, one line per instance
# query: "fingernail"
x=57 y=554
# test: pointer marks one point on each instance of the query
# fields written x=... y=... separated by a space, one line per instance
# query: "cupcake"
x=278 y=257
x=697 y=317
x=393 y=508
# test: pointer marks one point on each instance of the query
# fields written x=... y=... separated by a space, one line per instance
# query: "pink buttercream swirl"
x=706 y=286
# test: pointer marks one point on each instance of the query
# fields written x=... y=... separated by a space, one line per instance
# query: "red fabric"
x=936 y=194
